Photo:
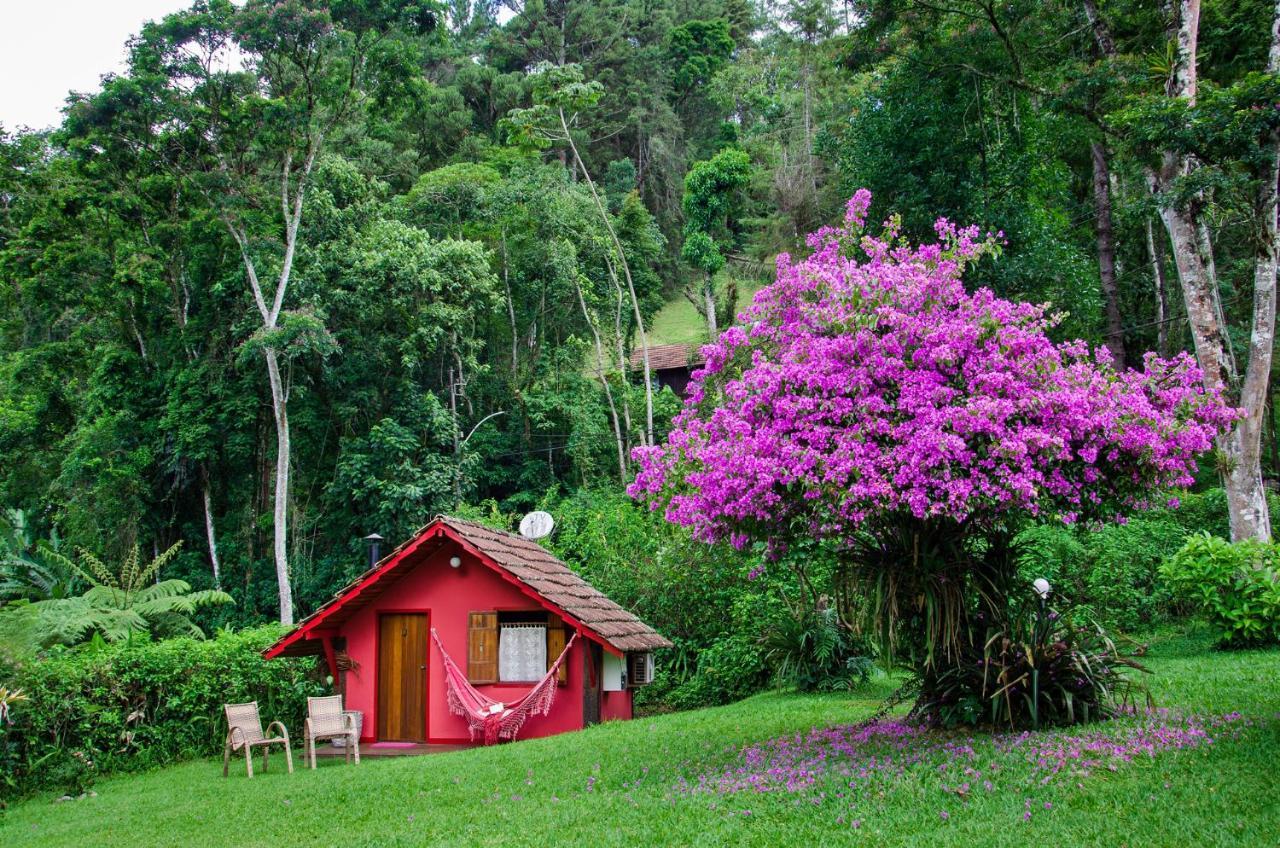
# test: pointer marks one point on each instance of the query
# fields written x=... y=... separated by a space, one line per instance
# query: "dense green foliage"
x=699 y=597
x=612 y=785
x=497 y=205
x=739 y=627
x=140 y=704
x=442 y=276
x=1235 y=585
x=1112 y=574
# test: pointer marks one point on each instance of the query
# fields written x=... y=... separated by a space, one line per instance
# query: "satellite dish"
x=537 y=524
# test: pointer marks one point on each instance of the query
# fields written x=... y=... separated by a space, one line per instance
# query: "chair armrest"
x=232 y=732
x=349 y=721
x=283 y=731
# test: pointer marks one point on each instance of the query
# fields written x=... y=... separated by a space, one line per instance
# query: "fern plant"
x=812 y=650
x=35 y=570
x=119 y=603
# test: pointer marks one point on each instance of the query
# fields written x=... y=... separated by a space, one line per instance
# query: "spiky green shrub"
x=1040 y=668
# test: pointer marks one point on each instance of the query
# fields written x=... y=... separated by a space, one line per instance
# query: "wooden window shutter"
x=555 y=644
x=482 y=647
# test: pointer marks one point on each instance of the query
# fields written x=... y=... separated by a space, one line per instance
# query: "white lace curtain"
x=522 y=652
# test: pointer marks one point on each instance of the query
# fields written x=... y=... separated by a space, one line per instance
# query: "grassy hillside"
x=627 y=784
x=678 y=322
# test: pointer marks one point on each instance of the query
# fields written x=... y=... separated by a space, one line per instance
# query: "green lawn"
x=617 y=784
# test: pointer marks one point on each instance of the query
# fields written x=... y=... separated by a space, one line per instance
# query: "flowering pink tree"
x=867 y=401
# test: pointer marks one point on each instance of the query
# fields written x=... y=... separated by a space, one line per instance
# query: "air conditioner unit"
x=639 y=669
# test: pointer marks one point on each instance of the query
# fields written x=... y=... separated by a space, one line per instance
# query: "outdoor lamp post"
x=1042 y=590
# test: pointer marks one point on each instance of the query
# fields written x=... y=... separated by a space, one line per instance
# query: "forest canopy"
x=305 y=271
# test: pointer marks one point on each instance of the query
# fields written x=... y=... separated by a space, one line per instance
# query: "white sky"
x=51 y=47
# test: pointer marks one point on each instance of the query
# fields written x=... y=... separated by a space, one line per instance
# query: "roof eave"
x=293 y=643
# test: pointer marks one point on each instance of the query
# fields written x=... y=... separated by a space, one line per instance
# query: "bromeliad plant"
x=1040 y=670
x=867 y=401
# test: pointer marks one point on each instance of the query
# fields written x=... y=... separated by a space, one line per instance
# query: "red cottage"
x=503 y=609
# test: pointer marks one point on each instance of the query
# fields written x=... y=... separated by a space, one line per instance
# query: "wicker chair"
x=244 y=731
x=326 y=720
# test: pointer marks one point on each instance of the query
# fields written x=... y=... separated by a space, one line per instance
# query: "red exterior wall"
x=448 y=594
x=615 y=705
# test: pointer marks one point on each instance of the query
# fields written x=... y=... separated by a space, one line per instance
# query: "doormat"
x=395 y=744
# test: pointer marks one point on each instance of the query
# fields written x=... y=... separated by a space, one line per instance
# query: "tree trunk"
x=1155 y=250
x=457 y=440
x=511 y=309
x=604 y=382
x=1101 y=32
x=624 y=361
x=1246 y=496
x=1106 y=243
x=1193 y=256
x=709 y=301
x=291 y=214
x=279 y=406
x=1107 y=252
x=626 y=273
x=208 y=528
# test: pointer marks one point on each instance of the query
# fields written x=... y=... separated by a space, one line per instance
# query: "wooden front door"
x=402 y=677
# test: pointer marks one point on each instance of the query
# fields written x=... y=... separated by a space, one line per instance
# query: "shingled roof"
x=520 y=560
x=662 y=357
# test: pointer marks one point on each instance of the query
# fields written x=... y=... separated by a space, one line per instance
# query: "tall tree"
x=560 y=94
x=249 y=139
x=1107 y=250
x=1184 y=207
x=713 y=207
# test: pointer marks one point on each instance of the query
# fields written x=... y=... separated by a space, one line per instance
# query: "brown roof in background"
x=662 y=357
x=525 y=560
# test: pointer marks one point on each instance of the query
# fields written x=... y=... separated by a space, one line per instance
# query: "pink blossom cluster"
x=866 y=381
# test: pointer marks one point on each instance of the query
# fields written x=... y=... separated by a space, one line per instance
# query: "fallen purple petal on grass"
x=832 y=762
